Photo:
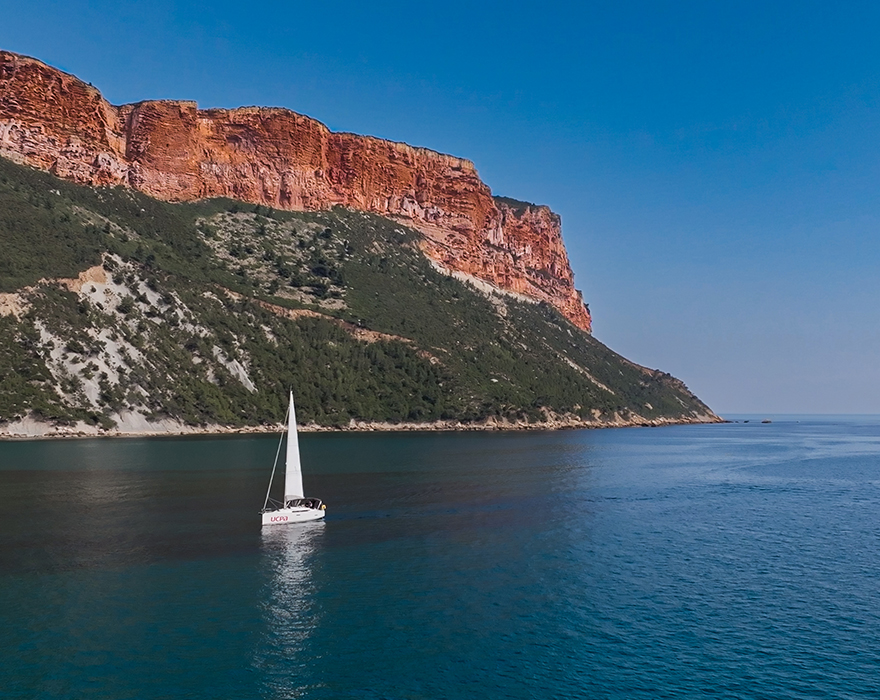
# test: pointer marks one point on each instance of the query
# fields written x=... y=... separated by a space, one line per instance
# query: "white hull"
x=286 y=516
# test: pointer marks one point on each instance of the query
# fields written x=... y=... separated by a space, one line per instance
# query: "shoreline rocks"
x=35 y=430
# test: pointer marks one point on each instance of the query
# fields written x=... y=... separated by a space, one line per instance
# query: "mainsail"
x=293 y=478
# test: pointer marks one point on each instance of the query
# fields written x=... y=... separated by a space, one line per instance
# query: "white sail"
x=293 y=478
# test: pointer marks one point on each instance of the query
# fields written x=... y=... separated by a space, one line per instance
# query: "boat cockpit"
x=314 y=503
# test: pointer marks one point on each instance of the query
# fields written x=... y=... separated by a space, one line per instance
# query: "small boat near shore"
x=295 y=508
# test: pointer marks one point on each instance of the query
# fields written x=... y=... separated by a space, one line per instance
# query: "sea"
x=739 y=560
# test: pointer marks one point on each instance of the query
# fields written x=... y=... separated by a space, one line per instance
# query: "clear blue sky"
x=716 y=164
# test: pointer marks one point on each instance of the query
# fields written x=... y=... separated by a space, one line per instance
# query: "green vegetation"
x=517 y=205
x=211 y=310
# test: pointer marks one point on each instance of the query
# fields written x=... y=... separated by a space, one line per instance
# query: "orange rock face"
x=177 y=152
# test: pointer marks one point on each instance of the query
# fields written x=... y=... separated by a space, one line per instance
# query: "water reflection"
x=289 y=613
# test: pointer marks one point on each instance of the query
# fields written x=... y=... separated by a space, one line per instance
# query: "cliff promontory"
x=176 y=152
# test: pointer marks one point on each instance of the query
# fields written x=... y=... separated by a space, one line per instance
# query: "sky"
x=716 y=164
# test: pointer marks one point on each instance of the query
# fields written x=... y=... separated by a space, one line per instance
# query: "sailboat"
x=295 y=508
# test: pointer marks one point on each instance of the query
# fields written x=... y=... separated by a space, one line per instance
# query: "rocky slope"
x=121 y=313
x=274 y=157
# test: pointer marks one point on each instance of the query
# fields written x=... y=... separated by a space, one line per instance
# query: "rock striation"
x=174 y=151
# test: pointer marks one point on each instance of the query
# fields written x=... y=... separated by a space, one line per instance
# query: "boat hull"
x=288 y=516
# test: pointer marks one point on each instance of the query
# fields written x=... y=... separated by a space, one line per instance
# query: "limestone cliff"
x=177 y=152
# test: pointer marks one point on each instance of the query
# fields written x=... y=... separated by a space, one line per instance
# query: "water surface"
x=728 y=561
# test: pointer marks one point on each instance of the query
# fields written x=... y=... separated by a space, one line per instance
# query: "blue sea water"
x=723 y=561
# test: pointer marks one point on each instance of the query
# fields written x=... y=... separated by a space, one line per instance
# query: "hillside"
x=123 y=313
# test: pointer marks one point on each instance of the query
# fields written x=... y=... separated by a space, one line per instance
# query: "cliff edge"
x=174 y=151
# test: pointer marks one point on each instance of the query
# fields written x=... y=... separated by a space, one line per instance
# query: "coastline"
x=30 y=429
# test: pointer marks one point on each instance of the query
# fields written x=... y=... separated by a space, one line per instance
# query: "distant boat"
x=295 y=508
